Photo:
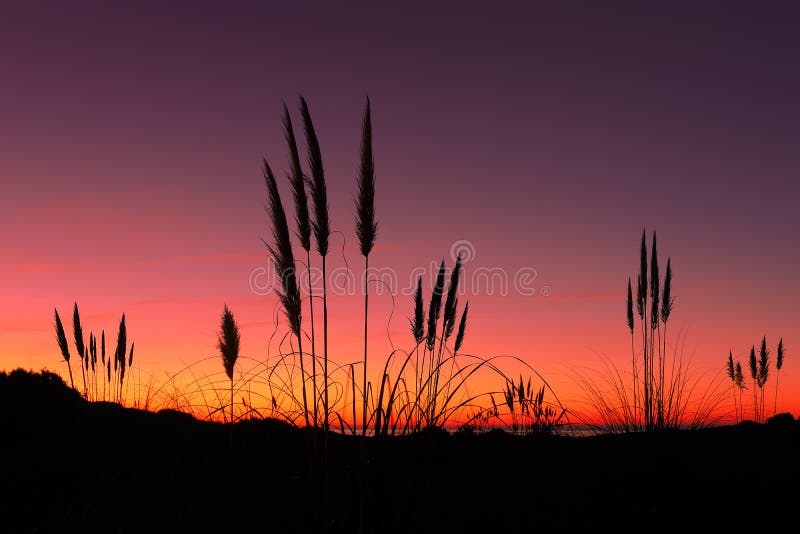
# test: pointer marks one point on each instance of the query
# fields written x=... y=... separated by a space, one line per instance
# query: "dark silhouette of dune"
x=71 y=465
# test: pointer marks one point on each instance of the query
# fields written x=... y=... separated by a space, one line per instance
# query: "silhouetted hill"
x=73 y=465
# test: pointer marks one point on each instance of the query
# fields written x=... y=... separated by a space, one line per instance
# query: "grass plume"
x=283 y=260
x=763 y=374
x=462 y=327
x=366 y=229
x=61 y=338
x=303 y=222
x=778 y=365
x=322 y=231
x=228 y=341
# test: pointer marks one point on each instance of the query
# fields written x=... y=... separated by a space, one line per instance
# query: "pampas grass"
x=778 y=365
x=322 y=231
x=228 y=341
x=740 y=385
x=303 y=222
x=366 y=230
x=657 y=397
x=730 y=369
x=61 y=338
x=283 y=260
x=80 y=348
x=462 y=328
x=119 y=354
x=763 y=374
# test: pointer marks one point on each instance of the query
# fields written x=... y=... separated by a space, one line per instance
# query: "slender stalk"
x=303 y=222
x=313 y=337
x=366 y=317
x=778 y=365
x=629 y=320
x=353 y=383
x=283 y=259
x=754 y=375
x=325 y=405
x=366 y=227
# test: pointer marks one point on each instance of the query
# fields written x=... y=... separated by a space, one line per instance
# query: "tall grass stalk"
x=449 y=320
x=731 y=371
x=778 y=365
x=652 y=396
x=283 y=260
x=418 y=332
x=754 y=375
x=228 y=341
x=634 y=366
x=303 y=222
x=366 y=230
x=434 y=311
x=740 y=385
x=321 y=227
x=641 y=306
x=119 y=355
x=763 y=375
x=79 y=342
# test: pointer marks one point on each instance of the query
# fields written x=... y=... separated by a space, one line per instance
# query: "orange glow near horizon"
x=563 y=337
x=131 y=145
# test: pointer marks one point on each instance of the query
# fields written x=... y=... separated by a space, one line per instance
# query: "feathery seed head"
x=297 y=179
x=667 y=299
x=228 y=341
x=462 y=327
x=78 y=331
x=366 y=226
x=61 y=337
x=281 y=253
x=629 y=307
x=435 y=308
x=319 y=194
x=418 y=322
x=730 y=367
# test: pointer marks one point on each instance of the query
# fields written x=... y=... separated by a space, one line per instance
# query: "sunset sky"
x=540 y=139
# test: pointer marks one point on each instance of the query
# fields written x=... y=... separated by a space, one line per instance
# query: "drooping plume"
x=451 y=303
x=281 y=253
x=61 y=337
x=297 y=180
x=319 y=194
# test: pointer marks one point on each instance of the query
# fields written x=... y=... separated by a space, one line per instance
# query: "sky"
x=540 y=140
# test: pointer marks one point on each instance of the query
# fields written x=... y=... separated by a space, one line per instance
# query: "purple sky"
x=131 y=135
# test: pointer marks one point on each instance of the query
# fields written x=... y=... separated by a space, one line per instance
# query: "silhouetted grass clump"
x=98 y=381
x=759 y=364
x=663 y=392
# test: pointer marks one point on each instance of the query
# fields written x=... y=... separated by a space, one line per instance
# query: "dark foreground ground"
x=72 y=466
